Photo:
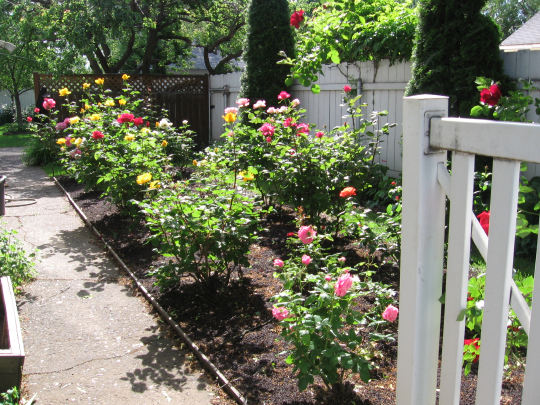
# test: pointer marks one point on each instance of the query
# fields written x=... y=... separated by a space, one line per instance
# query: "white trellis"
x=427 y=136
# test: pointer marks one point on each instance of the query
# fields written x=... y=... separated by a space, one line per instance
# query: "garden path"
x=87 y=337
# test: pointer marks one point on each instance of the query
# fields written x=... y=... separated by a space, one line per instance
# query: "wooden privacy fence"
x=426 y=184
x=184 y=97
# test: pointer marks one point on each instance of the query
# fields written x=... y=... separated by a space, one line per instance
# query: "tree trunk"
x=18 y=109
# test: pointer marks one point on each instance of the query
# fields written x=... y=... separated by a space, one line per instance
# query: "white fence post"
x=422 y=248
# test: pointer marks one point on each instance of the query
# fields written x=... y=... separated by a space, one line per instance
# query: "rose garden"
x=276 y=248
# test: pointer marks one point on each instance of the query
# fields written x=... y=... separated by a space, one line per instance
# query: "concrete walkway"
x=87 y=338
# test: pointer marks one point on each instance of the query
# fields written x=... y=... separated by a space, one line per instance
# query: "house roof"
x=526 y=37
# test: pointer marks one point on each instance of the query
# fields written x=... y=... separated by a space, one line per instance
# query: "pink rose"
x=296 y=18
x=138 y=121
x=232 y=110
x=483 y=218
x=29 y=119
x=36 y=110
x=272 y=110
x=278 y=263
x=268 y=139
x=61 y=126
x=267 y=129
x=347 y=88
x=341 y=259
x=288 y=122
x=295 y=103
x=280 y=313
x=343 y=284
x=328 y=277
x=306 y=260
x=49 y=103
x=302 y=128
x=259 y=104
x=242 y=102
x=283 y=95
x=390 y=314
x=319 y=134
x=306 y=234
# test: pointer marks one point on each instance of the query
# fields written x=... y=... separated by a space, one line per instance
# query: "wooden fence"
x=185 y=97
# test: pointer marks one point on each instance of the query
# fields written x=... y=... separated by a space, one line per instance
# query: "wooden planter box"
x=11 y=345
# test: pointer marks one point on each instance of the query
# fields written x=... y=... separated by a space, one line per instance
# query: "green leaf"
x=461 y=315
x=315 y=89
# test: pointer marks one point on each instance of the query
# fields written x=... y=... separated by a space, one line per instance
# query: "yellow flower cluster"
x=164 y=143
x=125 y=77
x=154 y=185
x=109 y=102
x=129 y=137
x=95 y=117
x=61 y=141
x=85 y=85
x=144 y=178
x=122 y=101
x=247 y=176
x=64 y=92
x=229 y=117
x=100 y=81
x=74 y=120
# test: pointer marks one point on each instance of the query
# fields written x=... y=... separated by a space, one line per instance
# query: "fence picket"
x=459 y=246
x=531 y=387
x=498 y=280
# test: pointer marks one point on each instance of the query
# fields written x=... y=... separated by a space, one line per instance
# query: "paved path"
x=87 y=339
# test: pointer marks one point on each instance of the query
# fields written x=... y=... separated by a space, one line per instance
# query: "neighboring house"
x=527 y=37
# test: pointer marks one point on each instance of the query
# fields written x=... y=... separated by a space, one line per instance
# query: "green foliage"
x=350 y=31
x=305 y=171
x=15 y=262
x=268 y=34
x=10 y=397
x=516 y=338
x=320 y=319
x=454 y=44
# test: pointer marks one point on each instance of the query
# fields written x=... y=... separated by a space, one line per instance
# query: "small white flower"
x=185 y=122
x=479 y=304
x=165 y=123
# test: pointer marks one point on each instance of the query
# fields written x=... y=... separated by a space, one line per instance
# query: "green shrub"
x=15 y=262
x=268 y=34
x=454 y=44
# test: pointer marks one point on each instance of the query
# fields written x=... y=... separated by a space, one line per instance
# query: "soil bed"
x=235 y=329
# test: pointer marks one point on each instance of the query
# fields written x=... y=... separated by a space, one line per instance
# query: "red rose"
x=296 y=18
x=29 y=119
x=138 y=121
x=491 y=96
x=97 y=135
x=473 y=342
x=484 y=221
x=347 y=88
x=123 y=118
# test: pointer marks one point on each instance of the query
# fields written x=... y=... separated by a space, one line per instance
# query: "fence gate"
x=427 y=136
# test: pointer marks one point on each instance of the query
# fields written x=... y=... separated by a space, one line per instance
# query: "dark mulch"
x=235 y=329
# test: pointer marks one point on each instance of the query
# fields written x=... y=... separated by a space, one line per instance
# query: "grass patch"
x=10 y=137
x=54 y=169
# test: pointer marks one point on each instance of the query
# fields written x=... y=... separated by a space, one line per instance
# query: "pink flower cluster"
x=267 y=130
x=390 y=314
x=280 y=313
x=306 y=234
x=126 y=118
x=242 y=102
x=343 y=284
x=296 y=18
x=97 y=135
x=283 y=95
x=49 y=103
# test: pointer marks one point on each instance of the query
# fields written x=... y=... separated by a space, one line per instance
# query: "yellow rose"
x=154 y=185
x=125 y=77
x=74 y=120
x=144 y=178
x=109 y=102
x=229 y=117
x=145 y=130
x=129 y=137
x=64 y=92
x=164 y=143
x=86 y=107
x=78 y=141
x=61 y=141
x=82 y=110
x=95 y=117
x=122 y=101
x=195 y=163
x=100 y=81
x=85 y=85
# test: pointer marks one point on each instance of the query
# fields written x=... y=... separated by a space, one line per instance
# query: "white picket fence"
x=426 y=185
x=381 y=84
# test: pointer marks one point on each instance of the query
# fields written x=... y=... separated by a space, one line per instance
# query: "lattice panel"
x=146 y=84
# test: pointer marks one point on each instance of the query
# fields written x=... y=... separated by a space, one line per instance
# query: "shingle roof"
x=526 y=37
